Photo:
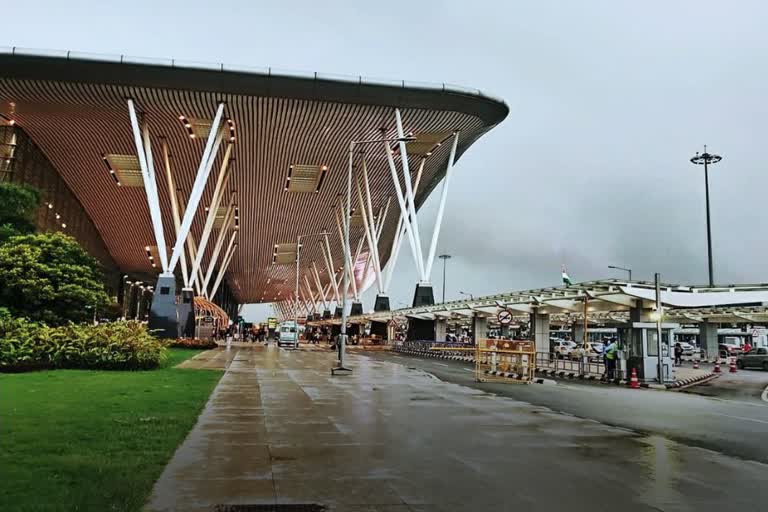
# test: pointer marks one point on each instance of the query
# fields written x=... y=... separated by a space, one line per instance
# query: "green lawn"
x=94 y=440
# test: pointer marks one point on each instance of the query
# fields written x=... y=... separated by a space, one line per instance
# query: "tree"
x=18 y=205
x=48 y=277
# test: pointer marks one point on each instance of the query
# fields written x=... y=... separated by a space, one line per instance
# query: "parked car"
x=729 y=349
x=562 y=348
x=688 y=349
x=595 y=351
x=755 y=358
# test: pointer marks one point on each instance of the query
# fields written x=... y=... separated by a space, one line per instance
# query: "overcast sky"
x=608 y=99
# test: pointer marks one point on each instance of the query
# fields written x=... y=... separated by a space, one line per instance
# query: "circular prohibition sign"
x=505 y=317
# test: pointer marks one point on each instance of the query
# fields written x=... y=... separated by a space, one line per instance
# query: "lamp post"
x=471 y=297
x=445 y=258
x=298 y=256
x=347 y=249
x=705 y=159
x=628 y=270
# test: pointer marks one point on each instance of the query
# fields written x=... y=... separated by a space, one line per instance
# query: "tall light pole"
x=705 y=159
x=347 y=249
x=445 y=258
x=471 y=297
x=628 y=270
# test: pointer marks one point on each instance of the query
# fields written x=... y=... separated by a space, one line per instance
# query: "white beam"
x=348 y=256
x=218 y=194
x=414 y=224
x=227 y=259
x=370 y=237
x=329 y=267
x=403 y=207
x=441 y=208
x=400 y=231
x=201 y=178
x=144 y=153
x=229 y=221
x=174 y=208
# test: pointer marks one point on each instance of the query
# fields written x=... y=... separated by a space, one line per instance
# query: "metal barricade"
x=505 y=360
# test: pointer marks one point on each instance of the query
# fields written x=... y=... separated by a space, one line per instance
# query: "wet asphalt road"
x=737 y=426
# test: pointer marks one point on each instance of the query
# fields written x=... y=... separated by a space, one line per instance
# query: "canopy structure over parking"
x=210 y=173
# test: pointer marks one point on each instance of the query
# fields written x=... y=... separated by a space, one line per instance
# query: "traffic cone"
x=633 y=382
x=717 y=366
x=733 y=365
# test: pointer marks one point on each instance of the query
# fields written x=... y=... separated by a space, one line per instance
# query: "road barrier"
x=505 y=360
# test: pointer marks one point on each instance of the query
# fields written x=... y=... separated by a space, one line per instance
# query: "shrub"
x=48 y=277
x=193 y=343
x=26 y=345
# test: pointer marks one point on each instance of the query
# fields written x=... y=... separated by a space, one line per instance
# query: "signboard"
x=272 y=323
x=505 y=317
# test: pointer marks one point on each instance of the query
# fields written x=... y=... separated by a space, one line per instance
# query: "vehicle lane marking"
x=442 y=364
x=740 y=418
x=764 y=396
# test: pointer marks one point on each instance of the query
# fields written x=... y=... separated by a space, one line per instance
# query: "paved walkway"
x=279 y=429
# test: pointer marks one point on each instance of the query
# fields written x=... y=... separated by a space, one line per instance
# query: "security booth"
x=643 y=351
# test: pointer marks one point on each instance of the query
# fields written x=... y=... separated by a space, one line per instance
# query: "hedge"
x=193 y=343
x=26 y=345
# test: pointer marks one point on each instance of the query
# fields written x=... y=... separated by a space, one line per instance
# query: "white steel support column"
x=371 y=238
x=329 y=268
x=229 y=221
x=441 y=208
x=315 y=295
x=348 y=255
x=203 y=170
x=218 y=194
x=403 y=207
x=174 y=208
x=227 y=259
x=372 y=224
x=400 y=232
x=319 y=285
x=413 y=223
x=191 y=248
x=144 y=153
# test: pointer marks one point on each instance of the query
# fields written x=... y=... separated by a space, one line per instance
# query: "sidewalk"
x=279 y=429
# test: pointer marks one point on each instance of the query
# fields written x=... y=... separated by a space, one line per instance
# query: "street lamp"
x=471 y=297
x=347 y=249
x=444 y=257
x=628 y=270
x=705 y=159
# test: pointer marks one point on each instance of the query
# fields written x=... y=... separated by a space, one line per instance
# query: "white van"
x=288 y=334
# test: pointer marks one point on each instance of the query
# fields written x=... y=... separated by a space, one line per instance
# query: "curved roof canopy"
x=74 y=106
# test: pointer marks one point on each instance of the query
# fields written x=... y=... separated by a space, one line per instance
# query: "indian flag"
x=566 y=279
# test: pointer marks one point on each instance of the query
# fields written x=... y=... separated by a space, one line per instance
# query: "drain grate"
x=270 y=508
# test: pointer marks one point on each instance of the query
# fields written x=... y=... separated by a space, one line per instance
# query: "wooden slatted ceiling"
x=75 y=123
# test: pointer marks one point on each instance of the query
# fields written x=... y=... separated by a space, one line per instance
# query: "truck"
x=288 y=334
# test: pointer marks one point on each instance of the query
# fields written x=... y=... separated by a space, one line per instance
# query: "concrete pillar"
x=577 y=332
x=423 y=295
x=163 y=315
x=441 y=326
x=541 y=331
x=479 y=328
x=708 y=339
x=186 y=312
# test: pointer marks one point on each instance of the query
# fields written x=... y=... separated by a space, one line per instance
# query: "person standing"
x=609 y=358
x=678 y=354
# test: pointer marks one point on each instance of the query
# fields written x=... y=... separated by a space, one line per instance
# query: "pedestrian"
x=609 y=359
x=678 y=354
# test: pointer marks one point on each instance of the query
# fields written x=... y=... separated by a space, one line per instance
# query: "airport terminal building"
x=229 y=183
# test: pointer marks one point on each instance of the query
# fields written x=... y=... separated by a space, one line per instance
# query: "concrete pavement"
x=732 y=427
x=279 y=429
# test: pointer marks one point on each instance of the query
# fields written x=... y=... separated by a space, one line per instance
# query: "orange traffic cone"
x=733 y=365
x=717 y=366
x=633 y=382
